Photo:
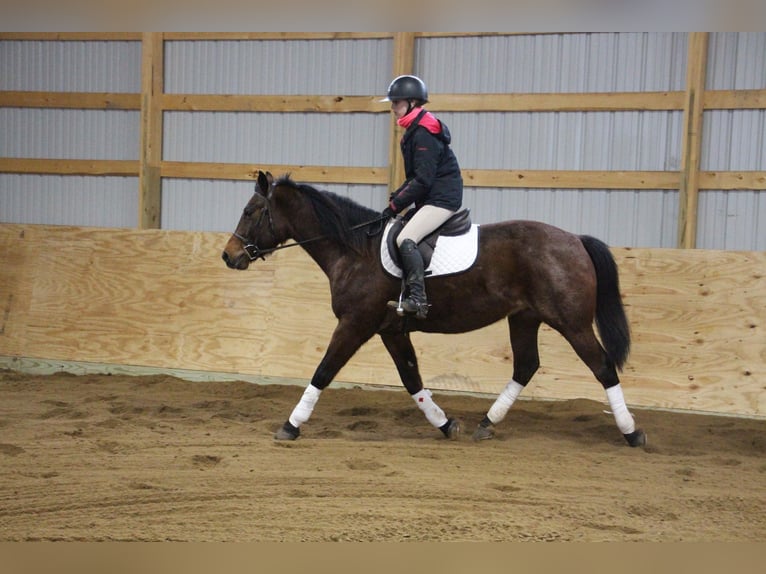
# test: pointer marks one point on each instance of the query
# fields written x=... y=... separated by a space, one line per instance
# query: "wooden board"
x=164 y=299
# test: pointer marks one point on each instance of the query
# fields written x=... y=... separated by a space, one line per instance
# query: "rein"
x=254 y=252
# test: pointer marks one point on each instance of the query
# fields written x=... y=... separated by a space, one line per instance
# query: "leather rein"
x=254 y=252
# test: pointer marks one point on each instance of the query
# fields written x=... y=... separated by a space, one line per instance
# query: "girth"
x=458 y=224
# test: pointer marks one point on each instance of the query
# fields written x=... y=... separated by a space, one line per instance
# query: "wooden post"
x=692 y=139
x=404 y=61
x=150 y=186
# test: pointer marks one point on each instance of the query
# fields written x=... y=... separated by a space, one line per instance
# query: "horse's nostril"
x=225 y=256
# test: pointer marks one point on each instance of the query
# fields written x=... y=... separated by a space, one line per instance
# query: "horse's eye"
x=249 y=210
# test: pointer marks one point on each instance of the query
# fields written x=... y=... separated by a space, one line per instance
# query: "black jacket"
x=431 y=168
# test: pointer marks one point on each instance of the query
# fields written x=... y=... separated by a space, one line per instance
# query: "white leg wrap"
x=504 y=401
x=433 y=412
x=620 y=411
x=302 y=411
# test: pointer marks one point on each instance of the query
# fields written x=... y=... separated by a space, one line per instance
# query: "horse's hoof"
x=483 y=432
x=451 y=429
x=287 y=432
x=636 y=438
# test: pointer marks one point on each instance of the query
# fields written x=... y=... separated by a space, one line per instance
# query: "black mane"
x=337 y=215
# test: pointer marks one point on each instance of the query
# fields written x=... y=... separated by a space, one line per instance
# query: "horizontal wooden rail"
x=70 y=100
x=227 y=36
x=734 y=100
x=530 y=179
x=235 y=171
x=261 y=103
x=72 y=36
x=573 y=102
x=69 y=166
x=571 y=179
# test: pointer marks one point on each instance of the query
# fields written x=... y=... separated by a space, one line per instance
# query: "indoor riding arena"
x=142 y=381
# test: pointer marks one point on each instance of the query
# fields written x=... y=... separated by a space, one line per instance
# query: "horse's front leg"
x=402 y=352
x=348 y=336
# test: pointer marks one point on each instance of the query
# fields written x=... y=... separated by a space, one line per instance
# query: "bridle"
x=251 y=248
x=254 y=252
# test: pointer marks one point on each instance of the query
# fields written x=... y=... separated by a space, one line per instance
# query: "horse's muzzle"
x=240 y=262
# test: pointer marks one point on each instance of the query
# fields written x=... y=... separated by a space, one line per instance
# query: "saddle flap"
x=458 y=224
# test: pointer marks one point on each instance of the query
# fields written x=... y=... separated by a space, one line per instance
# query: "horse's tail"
x=610 y=314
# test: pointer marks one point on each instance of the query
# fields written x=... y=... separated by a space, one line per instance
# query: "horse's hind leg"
x=526 y=360
x=402 y=352
x=592 y=354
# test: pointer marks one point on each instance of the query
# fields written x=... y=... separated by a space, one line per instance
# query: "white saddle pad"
x=451 y=254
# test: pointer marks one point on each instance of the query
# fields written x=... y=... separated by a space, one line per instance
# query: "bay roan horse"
x=526 y=272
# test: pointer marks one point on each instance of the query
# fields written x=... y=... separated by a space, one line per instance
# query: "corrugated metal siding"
x=70 y=66
x=592 y=62
x=289 y=67
x=215 y=205
x=567 y=140
x=69 y=134
x=734 y=140
x=285 y=67
x=580 y=62
x=291 y=138
x=568 y=63
x=69 y=200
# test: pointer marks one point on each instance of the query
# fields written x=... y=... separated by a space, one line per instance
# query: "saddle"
x=458 y=224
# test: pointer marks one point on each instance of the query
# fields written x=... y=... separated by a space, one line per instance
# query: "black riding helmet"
x=407 y=88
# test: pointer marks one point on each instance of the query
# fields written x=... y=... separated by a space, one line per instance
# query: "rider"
x=433 y=182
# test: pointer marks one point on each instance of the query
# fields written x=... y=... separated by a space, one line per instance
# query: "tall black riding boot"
x=414 y=278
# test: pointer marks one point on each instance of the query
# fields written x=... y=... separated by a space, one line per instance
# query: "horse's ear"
x=264 y=181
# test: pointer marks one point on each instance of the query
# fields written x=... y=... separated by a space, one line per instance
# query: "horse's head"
x=255 y=235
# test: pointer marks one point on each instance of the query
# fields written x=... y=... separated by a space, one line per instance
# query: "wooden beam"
x=559 y=179
x=596 y=101
x=71 y=36
x=403 y=63
x=227 y=36
x=69 y=166
x=541 y=179
x=246 y=171
x=70 y=100
x=261 y=103
x=575 y=102
x=730 y=180
x=734 y=100
x=692 y=139
x=150 y=184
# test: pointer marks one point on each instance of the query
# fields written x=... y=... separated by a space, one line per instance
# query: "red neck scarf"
x=428 y=121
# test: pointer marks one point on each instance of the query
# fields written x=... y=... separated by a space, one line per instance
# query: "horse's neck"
x=327 y=255
x=333 y=259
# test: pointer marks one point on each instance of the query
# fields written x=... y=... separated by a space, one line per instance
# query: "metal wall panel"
x=734 y=140
x=69 y=200
x=566 y=140
x=69 y=134
x=592 y=62
x=281 y=67
x=569 y=63
x=352 y=139
x=285 y=67
x=70 y=66
x=215 y=205
x=579 y=62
